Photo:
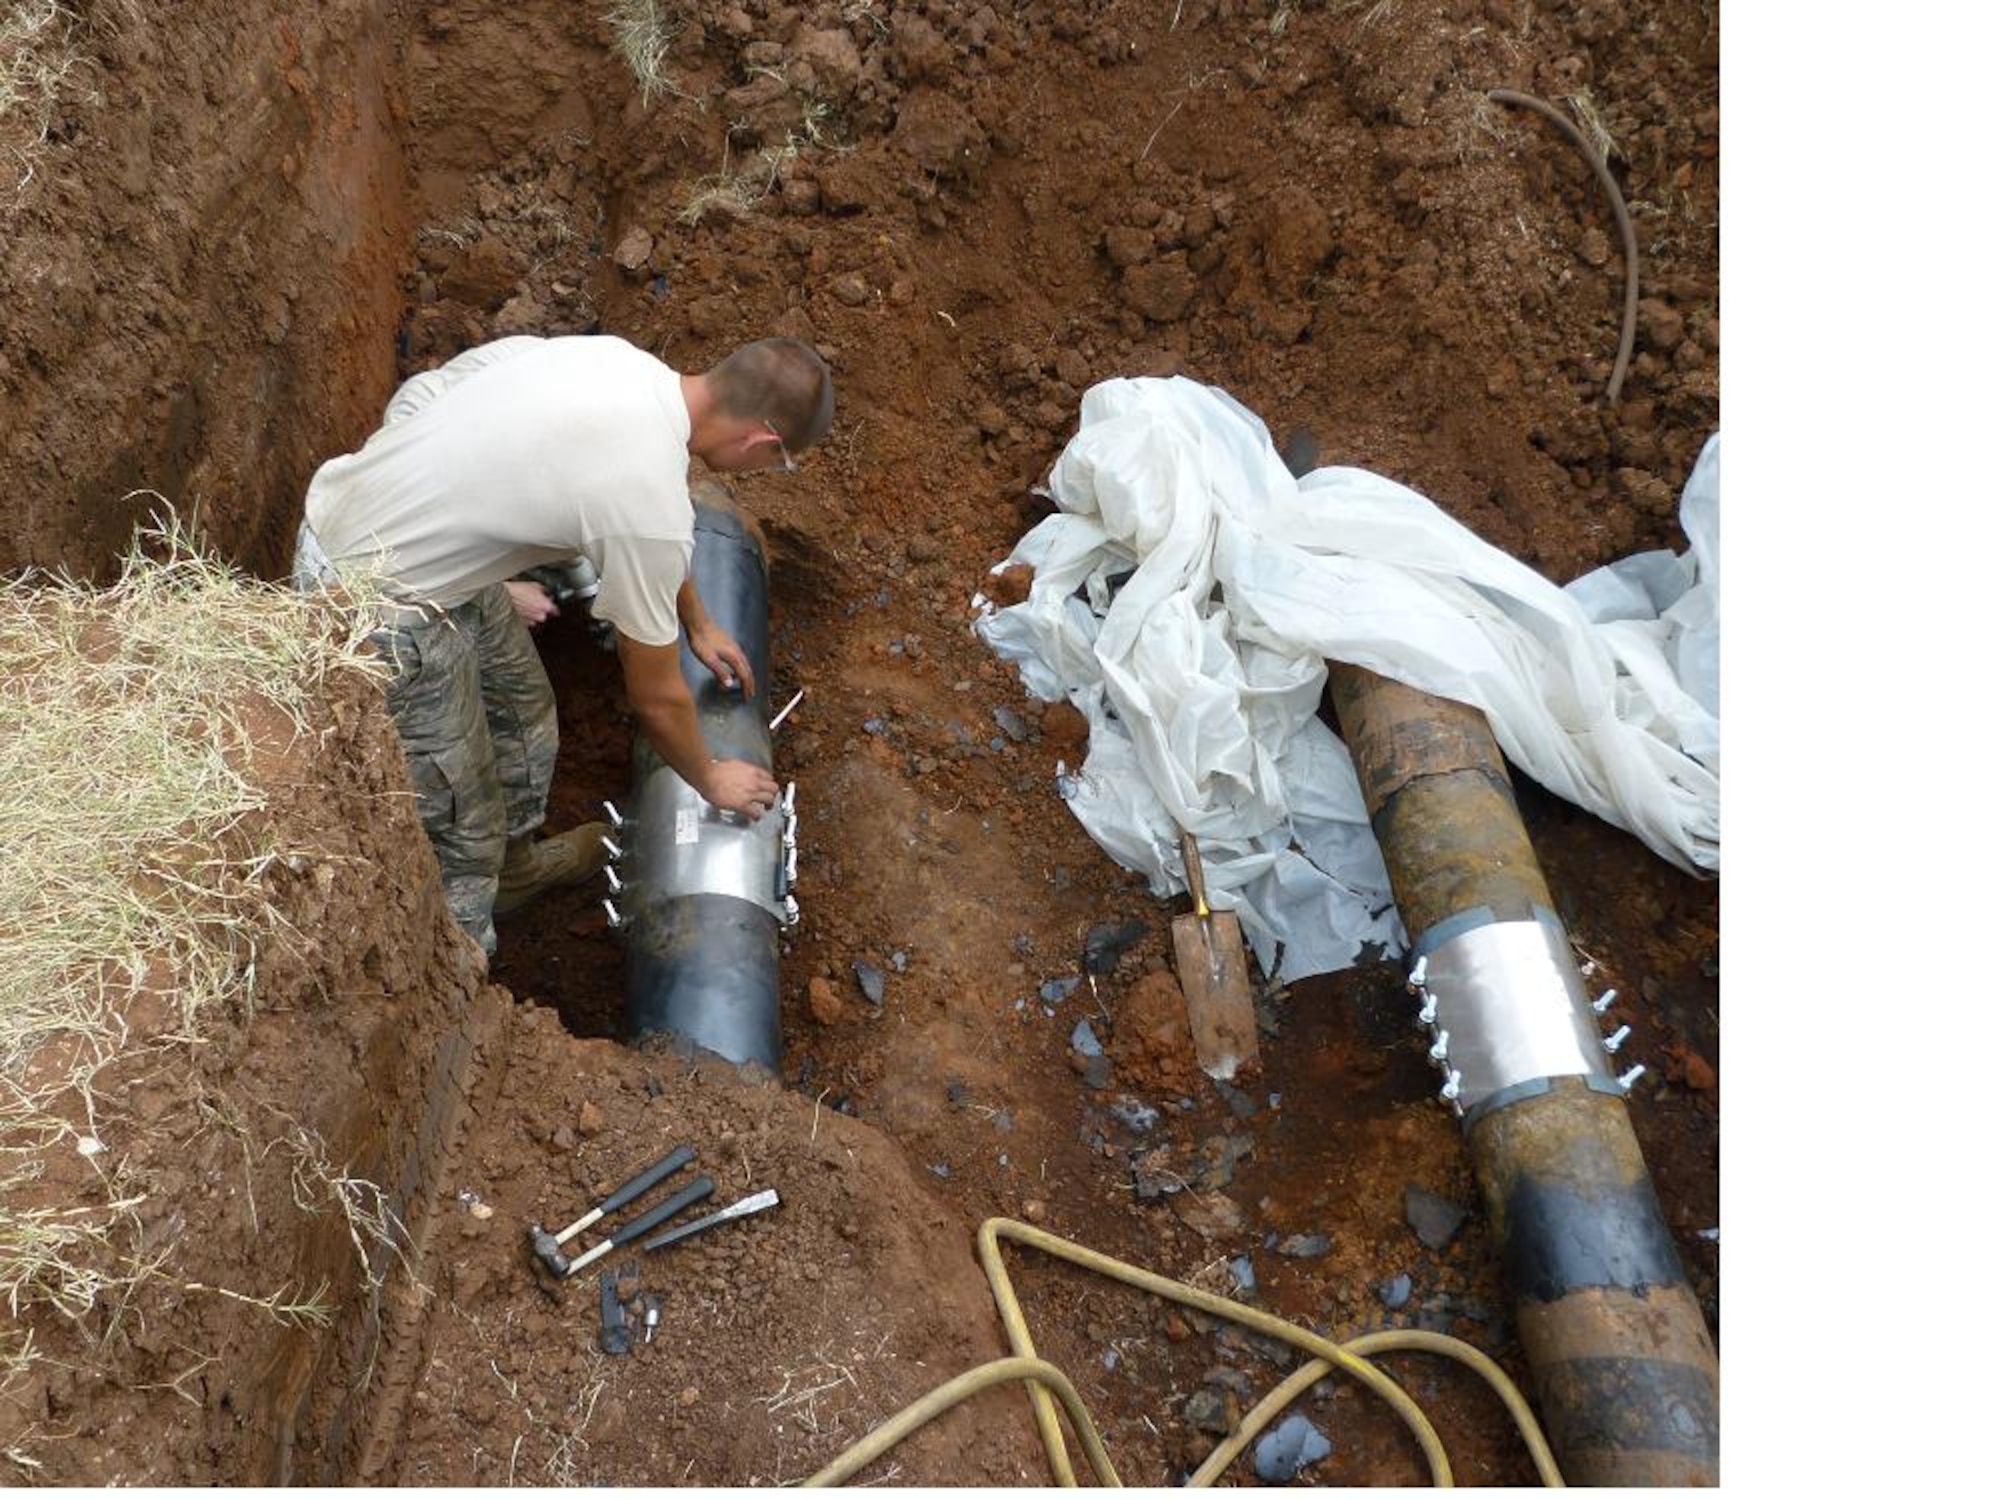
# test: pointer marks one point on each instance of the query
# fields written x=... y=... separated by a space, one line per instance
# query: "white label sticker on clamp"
x=687 y=825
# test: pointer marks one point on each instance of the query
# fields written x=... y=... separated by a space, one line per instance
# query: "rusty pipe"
x=1623 y=1363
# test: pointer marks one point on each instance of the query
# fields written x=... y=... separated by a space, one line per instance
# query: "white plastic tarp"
x=1185 y=600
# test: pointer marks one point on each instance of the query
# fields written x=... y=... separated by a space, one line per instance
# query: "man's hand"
x=532 y=602
x=665 y=710
x=739 y=787
x=717 y=650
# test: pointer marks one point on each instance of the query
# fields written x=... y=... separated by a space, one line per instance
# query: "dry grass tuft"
x=458 y=235
x=310 y=1311
x=60 y=1257
x=372 y=1223
x=733 y=192
x=738 y=192
x=821 y=1402
x=805 y=1387
x=39 y=57
x=129 y=718
x=1372 y=10
x=643 y=32
x=123 y=747
x=1591 y=122
x=1472 y=124
x=864 y=10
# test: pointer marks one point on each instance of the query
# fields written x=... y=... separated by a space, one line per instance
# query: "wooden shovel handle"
x=1191 y=857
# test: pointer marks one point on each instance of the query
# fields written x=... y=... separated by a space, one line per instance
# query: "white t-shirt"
x=520 y=452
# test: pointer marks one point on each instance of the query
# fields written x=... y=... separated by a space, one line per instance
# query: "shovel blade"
x=1216 y=983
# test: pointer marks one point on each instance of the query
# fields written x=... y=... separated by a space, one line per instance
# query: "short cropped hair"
x=780 y=381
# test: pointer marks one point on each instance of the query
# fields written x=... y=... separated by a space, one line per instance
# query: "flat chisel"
x=741 y=1209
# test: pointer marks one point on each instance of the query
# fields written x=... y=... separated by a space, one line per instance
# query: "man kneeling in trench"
x=528 y=451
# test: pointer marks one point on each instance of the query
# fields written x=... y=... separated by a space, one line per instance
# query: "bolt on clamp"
x=611 y=875
x=611 y=846
x=611 y=811
x=611 y=914
x=1631 y=1076
x=1418 y=973
x=1603 y=1002
x=1617 y=1039
x=1503 y=1008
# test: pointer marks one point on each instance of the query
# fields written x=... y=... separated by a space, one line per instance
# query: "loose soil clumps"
x=782 y=1338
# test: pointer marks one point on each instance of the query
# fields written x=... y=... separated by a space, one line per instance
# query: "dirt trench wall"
x=384 y=1029
x=199 y=287
x=227 y=1153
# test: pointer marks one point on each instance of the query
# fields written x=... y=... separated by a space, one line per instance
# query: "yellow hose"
x=1311 y=1373
x=994 y=1230
x=963 y=1388
x=1044 y=1378
x=1260 y=1416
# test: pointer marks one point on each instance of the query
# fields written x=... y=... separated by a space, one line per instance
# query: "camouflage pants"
x=477 y=718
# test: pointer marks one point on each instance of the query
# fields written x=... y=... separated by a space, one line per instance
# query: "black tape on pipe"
x=1561 y=1240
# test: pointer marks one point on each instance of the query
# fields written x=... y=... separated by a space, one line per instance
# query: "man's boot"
x=537 y=865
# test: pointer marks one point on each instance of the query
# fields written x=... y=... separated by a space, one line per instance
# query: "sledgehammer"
x=548 y=1247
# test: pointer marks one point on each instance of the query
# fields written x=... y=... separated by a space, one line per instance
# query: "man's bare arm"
x=688 y=608
x=660 y=697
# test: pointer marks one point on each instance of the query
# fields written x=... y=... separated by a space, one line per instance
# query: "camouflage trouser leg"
x=478 y=723
x=434 y=699
x=520 y=709
x=477 y=719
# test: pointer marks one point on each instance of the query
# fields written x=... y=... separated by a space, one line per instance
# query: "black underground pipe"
x=705 y=893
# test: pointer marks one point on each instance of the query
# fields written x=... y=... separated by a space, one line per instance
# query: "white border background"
x=1859 y=396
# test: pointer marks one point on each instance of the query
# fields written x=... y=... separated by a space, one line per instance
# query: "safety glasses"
x=786 y=463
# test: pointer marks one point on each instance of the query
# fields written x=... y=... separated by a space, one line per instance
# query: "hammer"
x=548 y=1247
x=692 y=1194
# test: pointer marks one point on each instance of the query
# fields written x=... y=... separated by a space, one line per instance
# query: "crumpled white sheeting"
x=1186 y=598
x=1663 y=613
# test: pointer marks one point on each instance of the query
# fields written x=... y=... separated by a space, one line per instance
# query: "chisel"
x=742 y=1209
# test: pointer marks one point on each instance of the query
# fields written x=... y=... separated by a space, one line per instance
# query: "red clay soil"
x=782 y=1339
x=197 y=283
x=975 y=212
x=369 y=1012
